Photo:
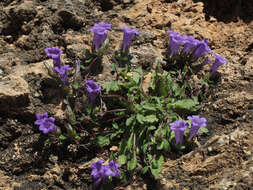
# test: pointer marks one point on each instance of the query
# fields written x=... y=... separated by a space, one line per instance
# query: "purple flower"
x=92 y=90
x=55 y=54
x=63 y=70
x=202 y=48
x=127 y=37
x=196 y=123
x=100 y=31
x=172 y=33
x=102 y=25
x=100 y=172
x=99 y=37
x=179 y=127
x=219 y=60
x=189 y=43
x=175 y=42
x=46 y=123
x=113 y=169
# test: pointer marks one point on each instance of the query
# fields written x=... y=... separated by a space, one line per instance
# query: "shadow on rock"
x=228 y=10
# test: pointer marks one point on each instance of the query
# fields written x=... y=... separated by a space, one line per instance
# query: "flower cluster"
x=92 y=90
x=100 y=172
x=180 y=126
x=55 y=54
x=100 y=31
x=46 y=123
x=195 y=48
x=191 y=45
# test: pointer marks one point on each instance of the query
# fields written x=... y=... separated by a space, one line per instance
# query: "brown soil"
x=224 y=157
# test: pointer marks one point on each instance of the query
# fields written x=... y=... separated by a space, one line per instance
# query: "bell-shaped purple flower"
x=99 y=37
x=219 y=60
x=104 y=25
x=202 y=49
x=55 y=54
x=92 y=90
x=63 y=72
x=175 y=41
x=196 y=123
x=127 y=37
x=100 y=31
x=46 y=124
x=179 y=127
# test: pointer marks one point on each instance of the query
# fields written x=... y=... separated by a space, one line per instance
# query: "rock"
x=219 y=160
x=75 y=51
x=17 y=15
x=17 y=159
x=144 y=56
x=70 y=20
x=14 y=93
x=14 y=89
x=144 y=37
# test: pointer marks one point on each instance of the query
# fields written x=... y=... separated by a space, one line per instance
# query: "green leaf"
x=131 y=165
x=130 y=120
x=87 y=53
x=115 y=134
x=156 y=166
x=77 y=137
x=112 y=156
x=130 y=142
x=62 y=137
x=204 y=129
x=145 y=169
x=115 y=126
x=162 y=87
x=122 y=159
x=152 y=127
x=137 y=107
x=140 y=118
x=70 y=115
x=89 y=60
x=111 y=86
x=139 y=70
x=150 y=118
x=114 y=67
x=166 y=145
x=187 y=104
x=149 y=107
x=160 y=146
x=103 y=140
x=180 y=147
x=75 y=85
x=136 y=77
x=153 y=80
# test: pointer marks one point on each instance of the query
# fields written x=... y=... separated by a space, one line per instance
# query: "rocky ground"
x=224 y=158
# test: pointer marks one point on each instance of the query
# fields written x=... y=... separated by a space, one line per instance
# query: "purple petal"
x=128 y=36
x=179 y=135
x=38 y=122
x=219 y=60
x=39 y=116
